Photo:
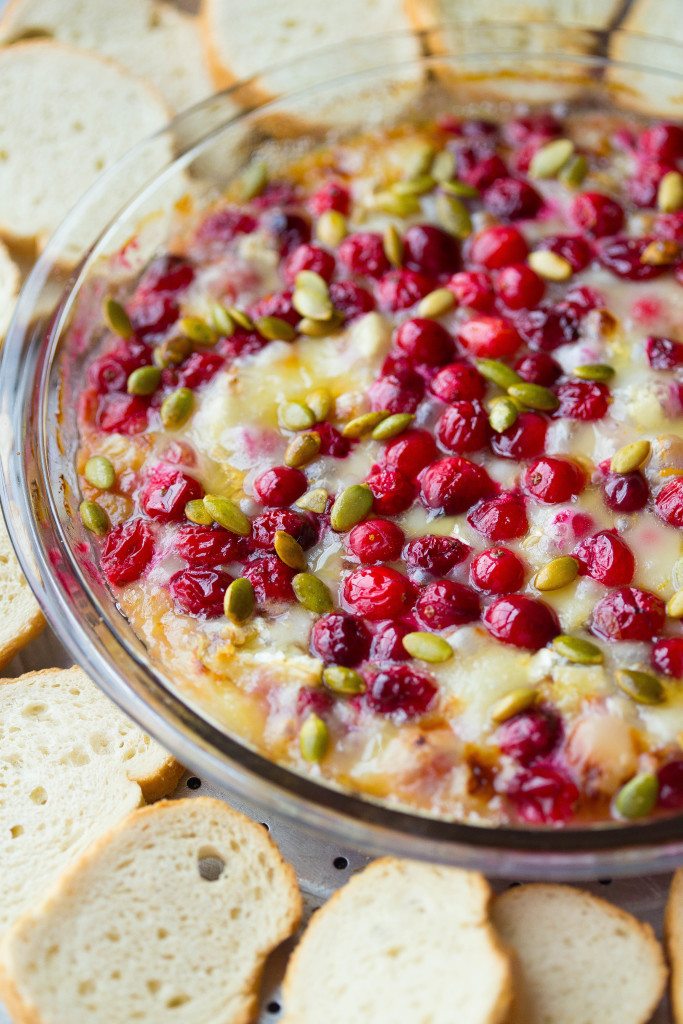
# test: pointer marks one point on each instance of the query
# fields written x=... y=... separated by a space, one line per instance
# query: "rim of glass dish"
x=145 y=693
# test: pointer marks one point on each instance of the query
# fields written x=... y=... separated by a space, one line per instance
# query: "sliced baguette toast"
x=673 y=926
x=9 y=287
x=20 y=616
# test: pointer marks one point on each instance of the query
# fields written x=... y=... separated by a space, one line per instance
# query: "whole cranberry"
x=458 y=382
x=446 y=603
x=278 y=194
x=340 y=639
x=628 y=614
x=669 y=503
x=208 y=546
x=643 y=187
x=332 y=442
x=583 y=400
x=265 y=526
x=376 y=540
x=520 y=129
x=671 y=785
x=270 y=578
x=308 y=257
x=410 y=453
x=667 y=656
x=400 y=691
x=363 y=253
x=597 y=214
x=424 y=341
x=280 y=485
x=170 y=274
x=521 y=621
x=498 y=246
x=311 y=699
x=512 y=199
x=221 y=226
x=127 y=551
x=199 y=368
x=396 y=394
x=573 y=248
x=529 y=735
x=548 y=327
x=525 y=439
x=519 y=287
x=331 y=196
x=392 y=491
x=152 y=314
x=288 y=230
x=623 y=257
x=401 y=289
x=430 y=249
x=122 y=414
x=580 y=300
x=606 y=558
x=387 y=641
x=500 y=518
x=378 y=592
x=435 y=554
x=625 y=492
x=483 y=171
x=454 y=484
x=497 y=571
x=167 y=491
x=663 y=353
x=463 y=427
x=663 y=141
x=553 y=480
x=543 y=795
x=473 y=289
x=350 y=299
x=200 y=592
x=538 y=368
x=109 y=372
x=489 y=337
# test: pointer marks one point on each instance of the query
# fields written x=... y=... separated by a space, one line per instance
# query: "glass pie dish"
x=467 y=70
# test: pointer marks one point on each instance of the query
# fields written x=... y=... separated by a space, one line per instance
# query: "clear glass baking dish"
x=467 y=68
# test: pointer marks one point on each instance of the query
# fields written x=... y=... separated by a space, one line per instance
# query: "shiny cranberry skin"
x=208 y=545
x=127 y=551
x=410 y=453
x=519 y=287
x=166 y=492
x=199 y=368
x=387 y=642
x=458 y=382
x=573 y=248
x=497 y=571
x=350 y=299
x=525 y=439
x=597 y=214
x=663 y=353
x=378 y=592
x=122 y=414
x=435 y=554
x=489 y=337
x=500 y=518
x=363 y=253
x=332 y=442
x=454 y=484
x=401 y=289
x=663 y=142
x=289 y=230
x=200 y=592
x=270 y=578
x=221 y=226
x=482 y=172
x=463 y=427
x=606 y=558
x=473 y=289
x=667 y=656
x=538 y=368
x=543 y=795
x=546 y=328
x=512 y=199
x=669 y=503
x=498 y=246
x=628 y=614
x=340 y=639
x=110 y=371
x=553 y=480
x=395 y=394
x=583 y=400
x=280 y=486
x=529 y=735
x=265 y=526
x=521 y=621
x=308 y=257
x=625 y=492
x=671 y=785
x=393 y=492
x=424 y=341
x=622 y=256
x=400 y=691
x=331 y=196
x=430 y=249
x=446 y=603
x=376 y=540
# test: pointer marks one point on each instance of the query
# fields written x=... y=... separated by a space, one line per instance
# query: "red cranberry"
x=446 y=603
x=313 y=700
x=669 y=226
x=387 y=642
x=497 y=571
x=430 y=250
x=270 y=578
x=110 y=371
x=525 y=439
x=393 y=492
x=482 y=172
x=500 y=518
x=454 y=484
x=663 y=353
x=628 y=614
x=463 y=427
x=276 y=304
x=642 y=188
x=277 y=194
x=573 y=248
x=401 y=691
x=669 y=503
x=208 y=545
x=122 y=414
x=127 y=551
x=520 y=287
x=376 y=540
x=340 y=639
x=473 y=289
x=280 y=485
x=521 y=129
x=332 y=442
x=538 y=368
x=663 y=142
x=597 y=214
x=543 y=795
x=478 y=128
x=625 y=492
x=529 y=735
x=410 y=453
x=363 y=253
x=289 y=230
x=331 y=196
x=583 y=400
x=667 y=656
x=498 y=247
x=396 y=395
x=435 y=554
x=199 y=369
x=512 y=199
x=489 y=337
x=200 y=591
x=458 y=382
x=521 y=621
x=622 y=256
x=167 y=491
x=553 y=480
x=606 y=558
x=424 y=341
x=350 y=299
x=221 y=226
x=401 y=289
x=378 y=592
x=153 y=314
x=671 y=785
x=580 y=300
x=241 y=343
x=265 y=526
x=169 y=274
x=308 y=257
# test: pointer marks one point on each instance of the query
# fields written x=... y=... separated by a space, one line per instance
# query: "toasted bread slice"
x=598 y=14
x=578 y=959
x=20 y=616
x=9 y=287
x=170 y=916
x=401 y=942
x=673 y=925
x=71 y=765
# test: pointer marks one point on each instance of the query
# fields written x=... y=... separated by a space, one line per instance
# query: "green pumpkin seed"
x=197 y=330
x=443 y=165
x=314 y=738
x=460 y=189
x=419 y=159
x=288 y=550
x=578 y=650
x=311 y=298
x=196 y=512
x=550 y=265
x=352 y=505
x=418 y=185
x=638 y=797
x=674 y=606
x=512 y=703
x=534 y=396
x=393 y=246
x=320 y=403
x=363 y=424
x=302 y=449
x=557 y=574
x=670 y=192
x=453 y=215
x=392 y=426
x=143 y=381
x=275 y=329
x=177 y=408
x=438 y=302
x=99 y=473
x=642 y=687
x=94 y=517
x=240 y=600
x=498 y=373
x=320 y=328
x=594 y=371
x=312 y=593
x=427 y=647
x=241 y=318
x=116 y=318
x=314 y=501
x=574 y=171
x=171 y=352
x=220 y=319
x=630 y=457
x=254 y=180
x=551 y=158
x=677 y=574
x=227 y=514
x=295 y=416
x=503 y=413
x=331 y=228
x=396 y=205
x=343 y=680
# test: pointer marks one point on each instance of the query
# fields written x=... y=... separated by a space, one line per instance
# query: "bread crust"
x=673 y=934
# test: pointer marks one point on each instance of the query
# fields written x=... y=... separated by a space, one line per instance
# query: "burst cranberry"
x=270 y=578
x=520 y=287
x=166 y=492
x=265 y=526
x=424 y=341
x=463 y=427
x=663 y=353
x=350 y=299
x=363 y=253
x=500 y=518
x=208 y=545
x=543 y=795
x=308 y=257
x=512 y=199
x=473 y=289
x=435 y=554
x=221 y=226
x=553 y=480
x=199 y=369
x=378 y=592
x=313 y=700
x=446 y=603
x=458 y=382
x=671 y=785
x=410 y=453
x=200 y=591
x=454 y=484
x=241 y=343
x=387 y=642
x=521 y=621
x=663 y=142
x=401 y=691
x=625 y=492
x=122 y=414
x=331 y=196
x=280 y=485
x=340 y=639
x=622 y=256
x=127 y=551
x=583 y=400
x=152 y=314
x=573 y=248
x=489 y=337
x=667 y=656
x=482 y=172
x=497 y=571
x=538 y=368
x=580 y=300
x=529 y=735
x=392 y=491
x=396 y=395
x=628 y=614
x=606 y=558
x=376 y=540
x=289 y=230
x=110 y=371
x=498 y=247
x=401 y=289
x=430 y=250
x=525 y=439
x=597 y=214
x=669 y=503
x=332 y=442
x=167 y=274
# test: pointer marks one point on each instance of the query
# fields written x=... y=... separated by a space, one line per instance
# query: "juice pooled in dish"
x=383 y=462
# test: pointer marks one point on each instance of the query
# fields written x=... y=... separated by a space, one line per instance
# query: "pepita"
x=319 y=402
x=438 y=302
x=241 y=318
x=312 y=593
x=314 y=738
x=314 y=501
x=143 y=381
x=197 y=330
x=302 y=449
x=674 y=606
x=638 y=797
x=662 y=252
x=392 y=426
x=240 y=601
x=443 y=165
x=116 y=318
x=512 y=703
x=630 y=457
x=364 y=423
x=254 y=180
x=99 y=473
x=295 y=416
x=171 y=352
x=288 y=550
x=220 y=319
x=343 y=680
x=417 y=185
x=176 y=408
x=534 y=396
x=389 y=201
x=549 y=160
x=427 y=647
x=320 y=328
x=574 y=171
x=550 y=265
x=461 y=189
x=331 y=228
x=503 y=413
x=642 y=687
x=311 y=298
x=352 y=505
x=453 y=215
x=393 y=245
x=578 y=650
x=670 y=192
x=558 y=573
x=594 y=371
x=227 y=514
x=196 y=512
x=94 y=517
x=498 y=373
x=419 y=160
x=275 y=329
